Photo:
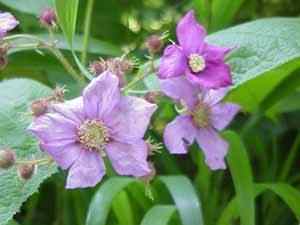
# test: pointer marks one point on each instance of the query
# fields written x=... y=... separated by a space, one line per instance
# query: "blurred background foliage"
x=271 y=138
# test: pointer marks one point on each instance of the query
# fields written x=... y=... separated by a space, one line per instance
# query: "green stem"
x=87 y=29
x=290 y=160
x=42 y=44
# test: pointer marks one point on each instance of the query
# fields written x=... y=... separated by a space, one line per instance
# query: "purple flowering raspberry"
x=7 y=23
x=79 y=132
x=201 y=62
x=203 y=117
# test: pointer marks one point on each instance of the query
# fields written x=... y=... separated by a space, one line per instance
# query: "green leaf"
x=265 y=52
x=102 y=201
x=223 y=12
x=29 y=6
x=159 y=215
x=289 y=194
x=185 y=198
x=240 y=170
x=67 y=16
x=15 y=96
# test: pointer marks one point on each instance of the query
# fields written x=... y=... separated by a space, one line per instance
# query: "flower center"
x=201 y=115
x=93 y=135
x=196 y=63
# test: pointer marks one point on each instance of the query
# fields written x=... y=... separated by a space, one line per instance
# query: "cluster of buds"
x=48 y=18
x=8 y=159
x=118 y=66
x=40 y=106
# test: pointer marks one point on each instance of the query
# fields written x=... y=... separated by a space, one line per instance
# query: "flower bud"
x=153 y=96
x=150 y=176
x=26 y=171
x=97 y=67
x=154 y=44
x=7 y=158
x=3 y=56
x=39 y=107
x=59 y=94
x=48 y=17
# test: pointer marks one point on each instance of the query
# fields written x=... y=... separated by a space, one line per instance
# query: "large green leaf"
x=29 y=6
x=240 y=170
x=185 y=198
x=15 y=96
x=67 y=16
x=159 y=215
x=265 y=52
x=102 y=201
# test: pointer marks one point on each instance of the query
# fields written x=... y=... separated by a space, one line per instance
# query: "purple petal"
x=101 y=95
x=87 y=171
x=190 y=34
x=172 y=63
x=130 y=119
x=214 y=148
x=212 y=97
x=222 y=114
x=214 y=76
x=52 y=127
x=129 y=159
x=215 y=54
x=178 y=134
x=179 y=88
x=65 y=153
x=72 y=110
x=7 y=22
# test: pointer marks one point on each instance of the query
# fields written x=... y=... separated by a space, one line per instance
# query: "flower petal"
x=73 y=109
x=130 y=119
x=179 y=88
x=214 y=76
x=129 y=159
x=214 y=53
x=214 y=148
x=101 y=95
x=87 y=171
x=65 y=153
x=212 y=97
x=172 y=63
x=52 y=127
x=7 y=22
x=190 y=34
x=178 y=134
x=222 y=114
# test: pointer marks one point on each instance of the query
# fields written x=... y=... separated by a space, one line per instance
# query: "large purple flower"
x=78 y=133
x=7 y=23
x=203 y=117
x=201 y=62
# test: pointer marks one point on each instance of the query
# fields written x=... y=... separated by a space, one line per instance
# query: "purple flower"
x=202 y=63
x=204 y=116
x=7 y=23
x=78 y=133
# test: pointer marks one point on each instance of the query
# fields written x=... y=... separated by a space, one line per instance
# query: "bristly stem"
x=87 y=30
x=42 y=44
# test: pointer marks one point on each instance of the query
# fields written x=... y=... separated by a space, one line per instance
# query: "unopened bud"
x=3 y=56
x=97 y=67
x=59 y=94
x=153 y=96
x=26 y=171
x=39 y=107
x=154 y=44
x=149 y=177
x=7 y=158
x=48 y=17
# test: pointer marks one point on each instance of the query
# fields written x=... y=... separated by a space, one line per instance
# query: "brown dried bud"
x=39 y=107
x=26 y=171
x=153 y=96
x=59 y=94
x=154 y=44
x=48 y=17
x=7 y=158
x=3 y=56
